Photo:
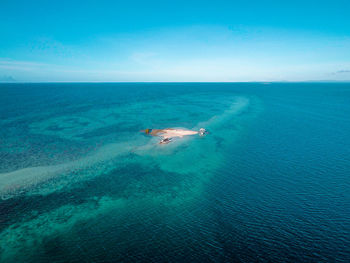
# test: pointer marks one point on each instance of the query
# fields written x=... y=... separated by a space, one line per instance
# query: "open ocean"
x=269 y=183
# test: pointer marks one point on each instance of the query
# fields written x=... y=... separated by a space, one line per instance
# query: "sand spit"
x=169 y=132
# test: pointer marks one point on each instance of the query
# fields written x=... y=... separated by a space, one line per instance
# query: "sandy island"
x=169 y=132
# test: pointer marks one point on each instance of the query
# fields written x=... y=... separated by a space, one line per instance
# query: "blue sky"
x=174 y=40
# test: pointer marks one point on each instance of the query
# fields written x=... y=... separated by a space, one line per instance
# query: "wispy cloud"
x=197 y=53
x=20 y=65
x=342 y=71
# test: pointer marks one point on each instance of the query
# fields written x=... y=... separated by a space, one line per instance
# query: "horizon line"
x=274 y=81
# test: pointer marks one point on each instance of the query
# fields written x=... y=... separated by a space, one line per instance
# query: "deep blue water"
x=269 y=183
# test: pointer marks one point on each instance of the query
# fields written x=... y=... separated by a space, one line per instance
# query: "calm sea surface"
x=269 y=183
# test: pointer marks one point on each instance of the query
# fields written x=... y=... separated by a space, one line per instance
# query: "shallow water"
x=79 y=182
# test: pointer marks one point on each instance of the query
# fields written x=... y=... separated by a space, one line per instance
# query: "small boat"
x=165 y=141
x=202 y=132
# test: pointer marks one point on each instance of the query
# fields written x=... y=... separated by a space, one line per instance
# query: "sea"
x=269 y=182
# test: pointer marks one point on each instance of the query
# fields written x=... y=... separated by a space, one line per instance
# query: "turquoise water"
x=80 y=183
